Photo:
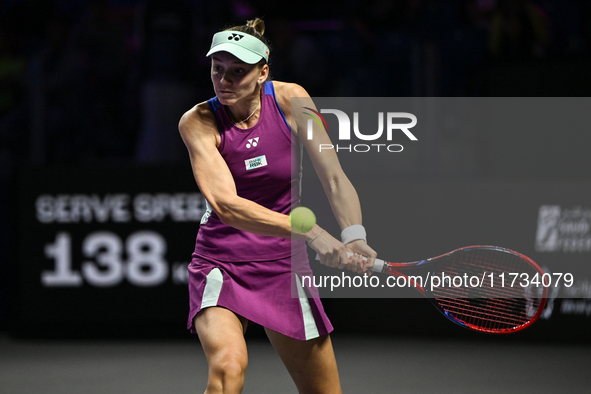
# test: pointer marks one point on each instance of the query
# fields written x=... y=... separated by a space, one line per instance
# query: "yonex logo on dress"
x=235 y=37
x=252 y=142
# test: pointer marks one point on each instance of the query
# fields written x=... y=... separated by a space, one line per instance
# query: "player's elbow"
x=226 y=217
x=226 y=209
x=336 y=184
x=333 y=185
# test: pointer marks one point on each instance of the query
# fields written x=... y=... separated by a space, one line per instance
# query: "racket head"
x=491 y=306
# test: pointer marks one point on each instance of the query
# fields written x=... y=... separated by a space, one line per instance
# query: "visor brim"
x=241 y=53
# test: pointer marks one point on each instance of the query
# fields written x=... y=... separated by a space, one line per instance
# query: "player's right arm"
x=198 y=129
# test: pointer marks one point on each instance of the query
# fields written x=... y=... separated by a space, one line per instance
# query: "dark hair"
x=255 y=28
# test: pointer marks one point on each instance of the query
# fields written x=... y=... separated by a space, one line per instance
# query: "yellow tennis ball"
x=302 y=220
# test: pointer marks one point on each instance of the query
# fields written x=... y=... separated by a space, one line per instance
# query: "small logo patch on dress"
x=256 y=162
x=252 y=142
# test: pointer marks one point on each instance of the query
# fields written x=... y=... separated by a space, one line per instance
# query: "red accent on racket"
x=496 y=303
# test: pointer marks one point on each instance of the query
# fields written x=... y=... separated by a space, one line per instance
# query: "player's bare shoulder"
x=198 y=124
x=197 y=117
x=285 y=91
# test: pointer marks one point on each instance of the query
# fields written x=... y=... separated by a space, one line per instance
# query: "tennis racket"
x=489 y=289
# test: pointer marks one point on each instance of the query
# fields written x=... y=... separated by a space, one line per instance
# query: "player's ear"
x=264 y=74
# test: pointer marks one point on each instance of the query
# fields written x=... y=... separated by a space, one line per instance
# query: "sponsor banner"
x=564 y=229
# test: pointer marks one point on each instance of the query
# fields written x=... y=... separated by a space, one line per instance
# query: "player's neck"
x=247 y=114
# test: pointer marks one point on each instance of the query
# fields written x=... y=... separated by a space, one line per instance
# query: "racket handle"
x=378 y=264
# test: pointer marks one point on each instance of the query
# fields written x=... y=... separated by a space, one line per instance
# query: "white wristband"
x=353 y=233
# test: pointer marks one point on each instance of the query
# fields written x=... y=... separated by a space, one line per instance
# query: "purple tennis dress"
x=249 y=274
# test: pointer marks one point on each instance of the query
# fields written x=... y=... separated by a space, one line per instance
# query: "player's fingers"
x=367 y=265
x=354 y=262
x=329 y=260
x=342 y=262
x=351 y=261
x=335 y=261
x=363 y=267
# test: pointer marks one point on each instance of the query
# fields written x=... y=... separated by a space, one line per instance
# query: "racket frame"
x=392 y=268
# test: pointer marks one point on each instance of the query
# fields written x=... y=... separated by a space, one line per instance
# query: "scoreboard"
x=104 y=251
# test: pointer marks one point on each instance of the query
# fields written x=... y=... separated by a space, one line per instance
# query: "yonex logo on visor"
x=235 y=37
x=245 y=47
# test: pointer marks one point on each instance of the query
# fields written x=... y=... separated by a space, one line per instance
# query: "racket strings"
x=476 y=315
x=490 y=305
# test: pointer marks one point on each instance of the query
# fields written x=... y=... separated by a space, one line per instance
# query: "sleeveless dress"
x=257 y=277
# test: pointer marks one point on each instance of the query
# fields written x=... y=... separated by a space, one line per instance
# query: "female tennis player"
x=241 y=150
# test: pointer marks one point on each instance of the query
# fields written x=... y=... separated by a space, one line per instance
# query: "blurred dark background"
x=103 y=83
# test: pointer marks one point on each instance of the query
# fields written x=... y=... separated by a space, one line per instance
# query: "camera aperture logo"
x=344 y=133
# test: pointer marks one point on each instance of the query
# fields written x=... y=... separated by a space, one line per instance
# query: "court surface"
x=367 y=365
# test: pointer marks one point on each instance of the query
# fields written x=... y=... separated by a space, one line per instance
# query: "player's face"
x=233 y=79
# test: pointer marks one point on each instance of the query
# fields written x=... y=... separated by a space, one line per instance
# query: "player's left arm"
x=341 y=193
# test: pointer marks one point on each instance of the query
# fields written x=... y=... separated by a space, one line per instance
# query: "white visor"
x=245 y=47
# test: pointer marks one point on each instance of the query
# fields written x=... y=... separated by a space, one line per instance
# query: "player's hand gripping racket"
x=500 y=290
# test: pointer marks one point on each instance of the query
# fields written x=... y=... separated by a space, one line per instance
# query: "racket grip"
x=378 y=264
